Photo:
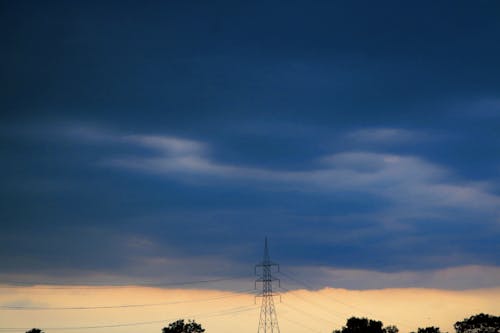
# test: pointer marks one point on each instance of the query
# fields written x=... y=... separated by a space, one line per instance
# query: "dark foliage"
x=391 y=329
x=481 y=323
x=430 y=329
x=35 y=330
x=365 y=325
x=180 y=326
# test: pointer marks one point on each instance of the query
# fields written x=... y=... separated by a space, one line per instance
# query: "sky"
x=226 y=311
x=160 y=142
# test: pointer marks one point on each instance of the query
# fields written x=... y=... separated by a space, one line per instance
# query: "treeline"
x=480 y=323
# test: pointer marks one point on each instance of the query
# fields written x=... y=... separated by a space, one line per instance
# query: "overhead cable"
x=15 y=307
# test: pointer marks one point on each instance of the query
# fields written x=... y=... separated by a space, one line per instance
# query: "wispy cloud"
x=410 y=181
x=459 y=277
x=407 y=202
x=172 y=146
x=386 y=136
x=482 y=108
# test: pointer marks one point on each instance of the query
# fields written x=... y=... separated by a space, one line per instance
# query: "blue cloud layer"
x=354 y=136
x=356 y=209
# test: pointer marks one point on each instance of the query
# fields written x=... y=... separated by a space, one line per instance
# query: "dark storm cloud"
x=358 y=135
x=352 y=209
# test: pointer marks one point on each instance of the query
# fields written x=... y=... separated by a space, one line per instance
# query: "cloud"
x=170 y=145
x=338 y=170
x=173 y=154
x=482 y=108
x=452 y=278
x=386 y=136
x=415 y=187
x=166 y=269
x=387 y=211
x=22 y=302
x=416 y=191
x=410 y=181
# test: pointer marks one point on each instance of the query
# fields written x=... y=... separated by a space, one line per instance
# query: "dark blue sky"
x=356 y=135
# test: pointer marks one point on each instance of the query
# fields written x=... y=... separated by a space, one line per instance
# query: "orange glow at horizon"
x=223 y=311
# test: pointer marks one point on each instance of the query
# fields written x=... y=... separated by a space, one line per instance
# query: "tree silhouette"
x=35 y=330
x=180 y=326
x=391 y=329
x=481 y=323
x=430 y=329
x=365 y=325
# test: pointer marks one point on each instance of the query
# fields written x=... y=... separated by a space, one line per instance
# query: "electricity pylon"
x=268 y=321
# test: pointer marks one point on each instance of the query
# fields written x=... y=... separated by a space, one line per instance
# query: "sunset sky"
x=155 y=144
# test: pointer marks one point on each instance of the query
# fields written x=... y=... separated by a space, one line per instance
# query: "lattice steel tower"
x=268 y=321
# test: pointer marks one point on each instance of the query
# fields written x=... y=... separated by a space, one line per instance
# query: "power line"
x=16 y=284
x=291 y=292
x=302 y=325
x=308 y=286
x=9 y=307
x=308 y=314
x=234 y=311
x=140 y=323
